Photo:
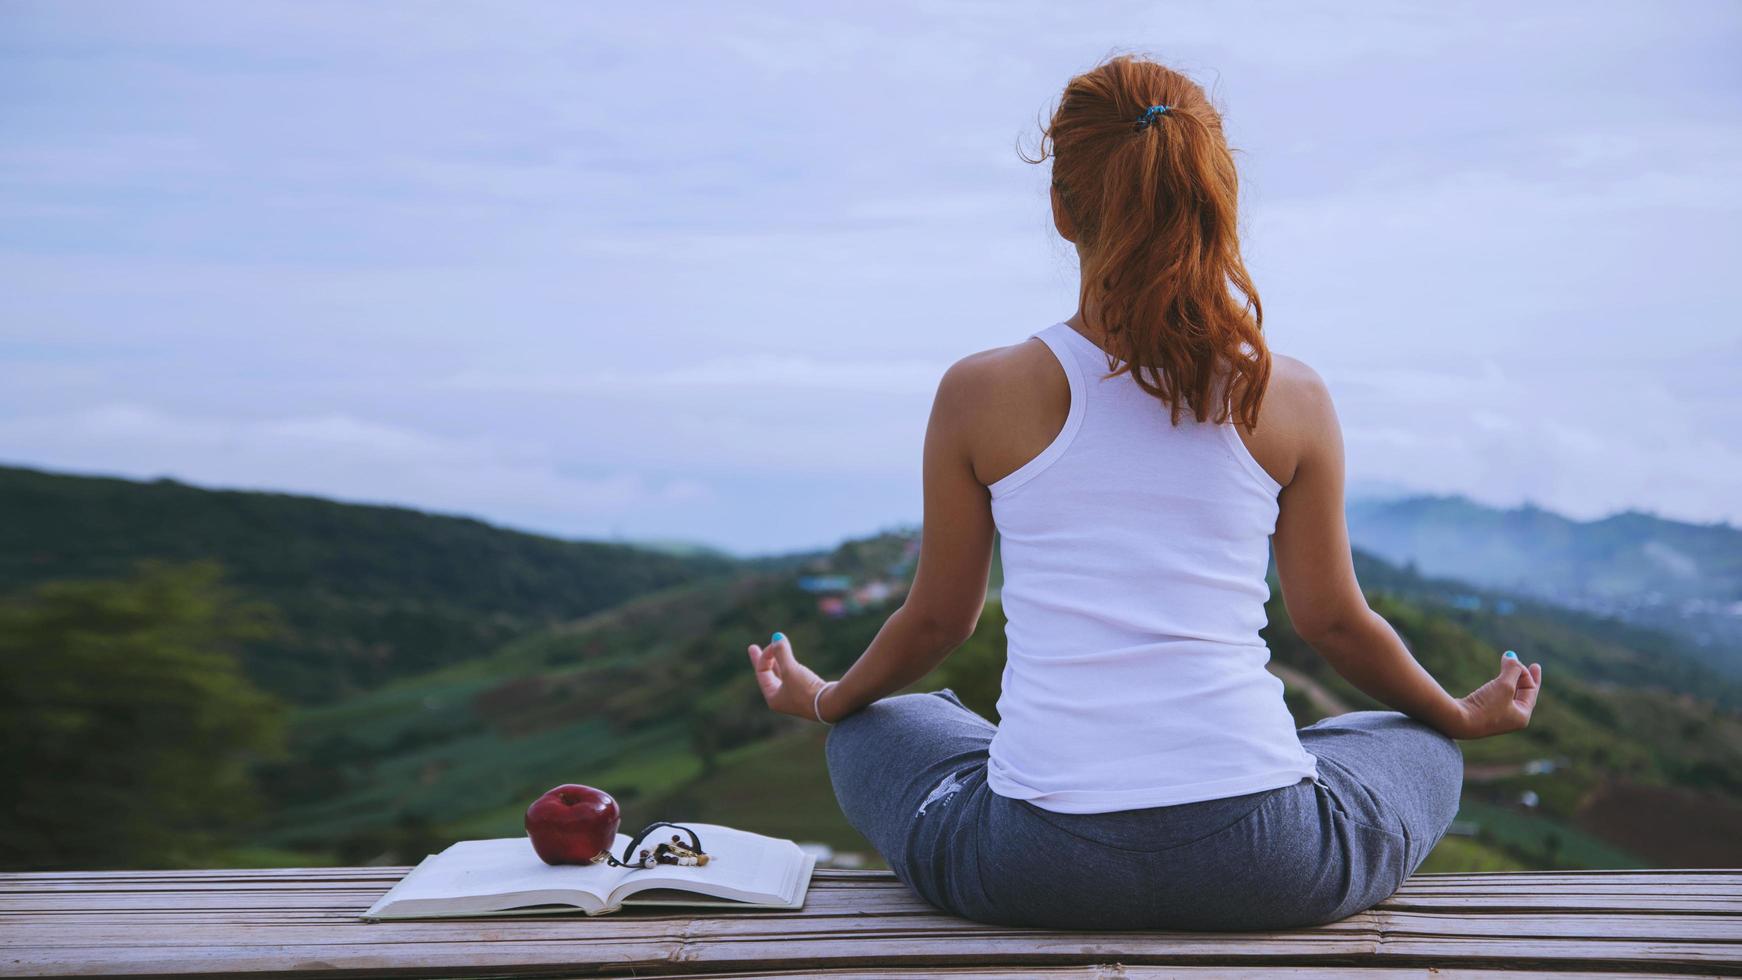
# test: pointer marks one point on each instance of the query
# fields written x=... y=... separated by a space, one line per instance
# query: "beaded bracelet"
x=817 y=703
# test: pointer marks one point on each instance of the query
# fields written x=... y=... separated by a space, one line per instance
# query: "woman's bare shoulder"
x=1294 y=375
x=1295 y=418
x=1296 y=395
x=1006 y=404
x=1002 y=376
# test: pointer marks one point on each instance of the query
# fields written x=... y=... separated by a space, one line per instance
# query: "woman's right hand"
x=788 y=686
x=1503 y=704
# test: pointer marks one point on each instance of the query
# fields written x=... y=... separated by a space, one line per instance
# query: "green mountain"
x=654 y=703
x=365 y=594
x=651 y=701
x=1638 y=568
x=1595 y=647
x=448 y=672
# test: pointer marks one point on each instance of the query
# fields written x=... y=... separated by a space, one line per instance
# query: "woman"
x=1138 y=460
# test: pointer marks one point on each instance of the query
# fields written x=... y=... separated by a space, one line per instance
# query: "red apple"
x=572 y=824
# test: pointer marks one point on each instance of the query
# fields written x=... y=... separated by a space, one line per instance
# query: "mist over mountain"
x=1639 y=568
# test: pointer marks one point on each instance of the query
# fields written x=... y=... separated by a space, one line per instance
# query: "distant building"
x=832 y=606
x=874 y=593
x=825 y=583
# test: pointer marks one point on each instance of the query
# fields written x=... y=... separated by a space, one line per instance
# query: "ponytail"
x=1146 y=178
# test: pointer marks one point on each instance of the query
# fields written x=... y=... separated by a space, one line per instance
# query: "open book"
x=503 y=877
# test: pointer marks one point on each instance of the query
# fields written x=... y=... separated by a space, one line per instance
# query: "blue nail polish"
x=1509 y=653
x=779 y=636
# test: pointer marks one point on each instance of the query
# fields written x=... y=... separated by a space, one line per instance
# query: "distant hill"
x=364 y=593
x=653 y=701
x=1596 y=647
x=1636 y=567
x=448 y=672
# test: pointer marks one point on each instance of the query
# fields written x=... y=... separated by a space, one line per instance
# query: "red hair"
x=1153 y=208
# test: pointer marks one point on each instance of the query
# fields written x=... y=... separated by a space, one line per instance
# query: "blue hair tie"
x=1149 y=115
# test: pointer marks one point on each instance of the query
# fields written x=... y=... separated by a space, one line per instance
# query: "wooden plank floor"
x=303 y=922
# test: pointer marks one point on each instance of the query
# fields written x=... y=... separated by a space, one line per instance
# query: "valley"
x=623 y=668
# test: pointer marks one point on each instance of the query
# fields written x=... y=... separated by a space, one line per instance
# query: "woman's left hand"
x=788 y=686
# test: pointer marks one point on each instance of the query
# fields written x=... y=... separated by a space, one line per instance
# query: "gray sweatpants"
x=910 y=774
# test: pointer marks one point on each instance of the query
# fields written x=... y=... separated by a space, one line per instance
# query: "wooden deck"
x=855 y=924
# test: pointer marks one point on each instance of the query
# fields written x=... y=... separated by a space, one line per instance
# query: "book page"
x=488 y=875
x=741 y=866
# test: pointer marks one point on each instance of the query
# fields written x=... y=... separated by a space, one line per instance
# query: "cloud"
x=696 y=269
x=338 y=456
x=1589 y=443
x=753 y=372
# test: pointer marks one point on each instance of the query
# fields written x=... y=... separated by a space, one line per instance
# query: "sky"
x=691 y=272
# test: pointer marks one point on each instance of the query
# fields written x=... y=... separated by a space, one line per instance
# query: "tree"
x=127 y=731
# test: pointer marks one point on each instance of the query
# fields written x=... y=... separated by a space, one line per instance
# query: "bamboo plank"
x=1121 y=971
x=828 y=876
x=335 y=889
x=916 y=927
x=835 y=878
x=279 y=922
x=693 y=955
x=264 y=911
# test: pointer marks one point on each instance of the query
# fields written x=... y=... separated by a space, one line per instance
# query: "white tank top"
x=1134 y=558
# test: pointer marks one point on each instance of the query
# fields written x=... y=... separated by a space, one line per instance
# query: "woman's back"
x=1134 y=554
x=1145 y=772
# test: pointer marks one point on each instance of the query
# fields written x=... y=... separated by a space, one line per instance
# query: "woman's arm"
x=949 y=584
x=1325 y=602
